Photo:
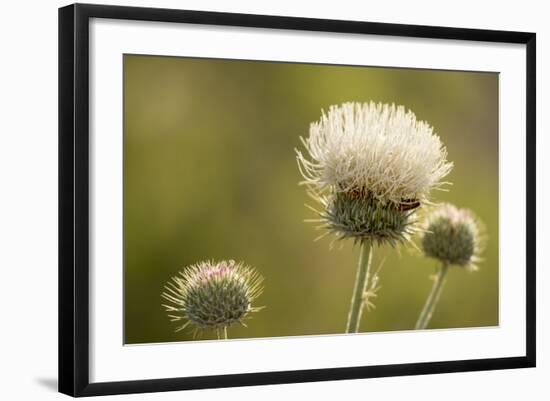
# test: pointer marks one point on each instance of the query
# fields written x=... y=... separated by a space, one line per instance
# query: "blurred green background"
x=210 y=173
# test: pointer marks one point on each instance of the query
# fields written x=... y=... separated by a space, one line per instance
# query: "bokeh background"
x=210 y=173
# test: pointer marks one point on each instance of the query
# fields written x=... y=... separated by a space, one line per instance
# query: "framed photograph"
x=250 y=199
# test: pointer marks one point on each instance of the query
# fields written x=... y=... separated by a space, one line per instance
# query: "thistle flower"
x=370 y=166
x=452 y=236
x=376 y=147
x=212 y=295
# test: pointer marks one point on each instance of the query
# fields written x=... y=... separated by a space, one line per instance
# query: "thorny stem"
x=361 y=281
x=433 y=298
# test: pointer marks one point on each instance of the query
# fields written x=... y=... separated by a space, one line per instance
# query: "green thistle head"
x=452 y=236
x=212 y=295
x=360 y=216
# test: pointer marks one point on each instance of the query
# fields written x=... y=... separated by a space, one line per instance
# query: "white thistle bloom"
x=370 y=166
x=378 y=148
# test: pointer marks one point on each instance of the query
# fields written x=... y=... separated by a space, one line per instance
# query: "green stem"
x=433 y=298
x=221 y=333
x=361 y=281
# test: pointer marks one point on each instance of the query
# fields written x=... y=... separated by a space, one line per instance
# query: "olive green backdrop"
x=210 y=173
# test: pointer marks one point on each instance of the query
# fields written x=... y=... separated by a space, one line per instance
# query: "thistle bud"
x=452 y=236
x=212 y=295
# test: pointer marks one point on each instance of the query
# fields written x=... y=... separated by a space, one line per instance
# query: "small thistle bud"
x=452 y=236
x=212 y=295
x=370 y=166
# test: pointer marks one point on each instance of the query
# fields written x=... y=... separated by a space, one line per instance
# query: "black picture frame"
x=74 y=193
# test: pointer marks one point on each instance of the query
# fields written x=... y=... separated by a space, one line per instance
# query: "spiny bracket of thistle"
x=212 y=295
x=453 y=236
x=365 y=218
x=370 y=166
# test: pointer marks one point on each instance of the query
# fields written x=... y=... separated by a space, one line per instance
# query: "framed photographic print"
x=249 y=199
